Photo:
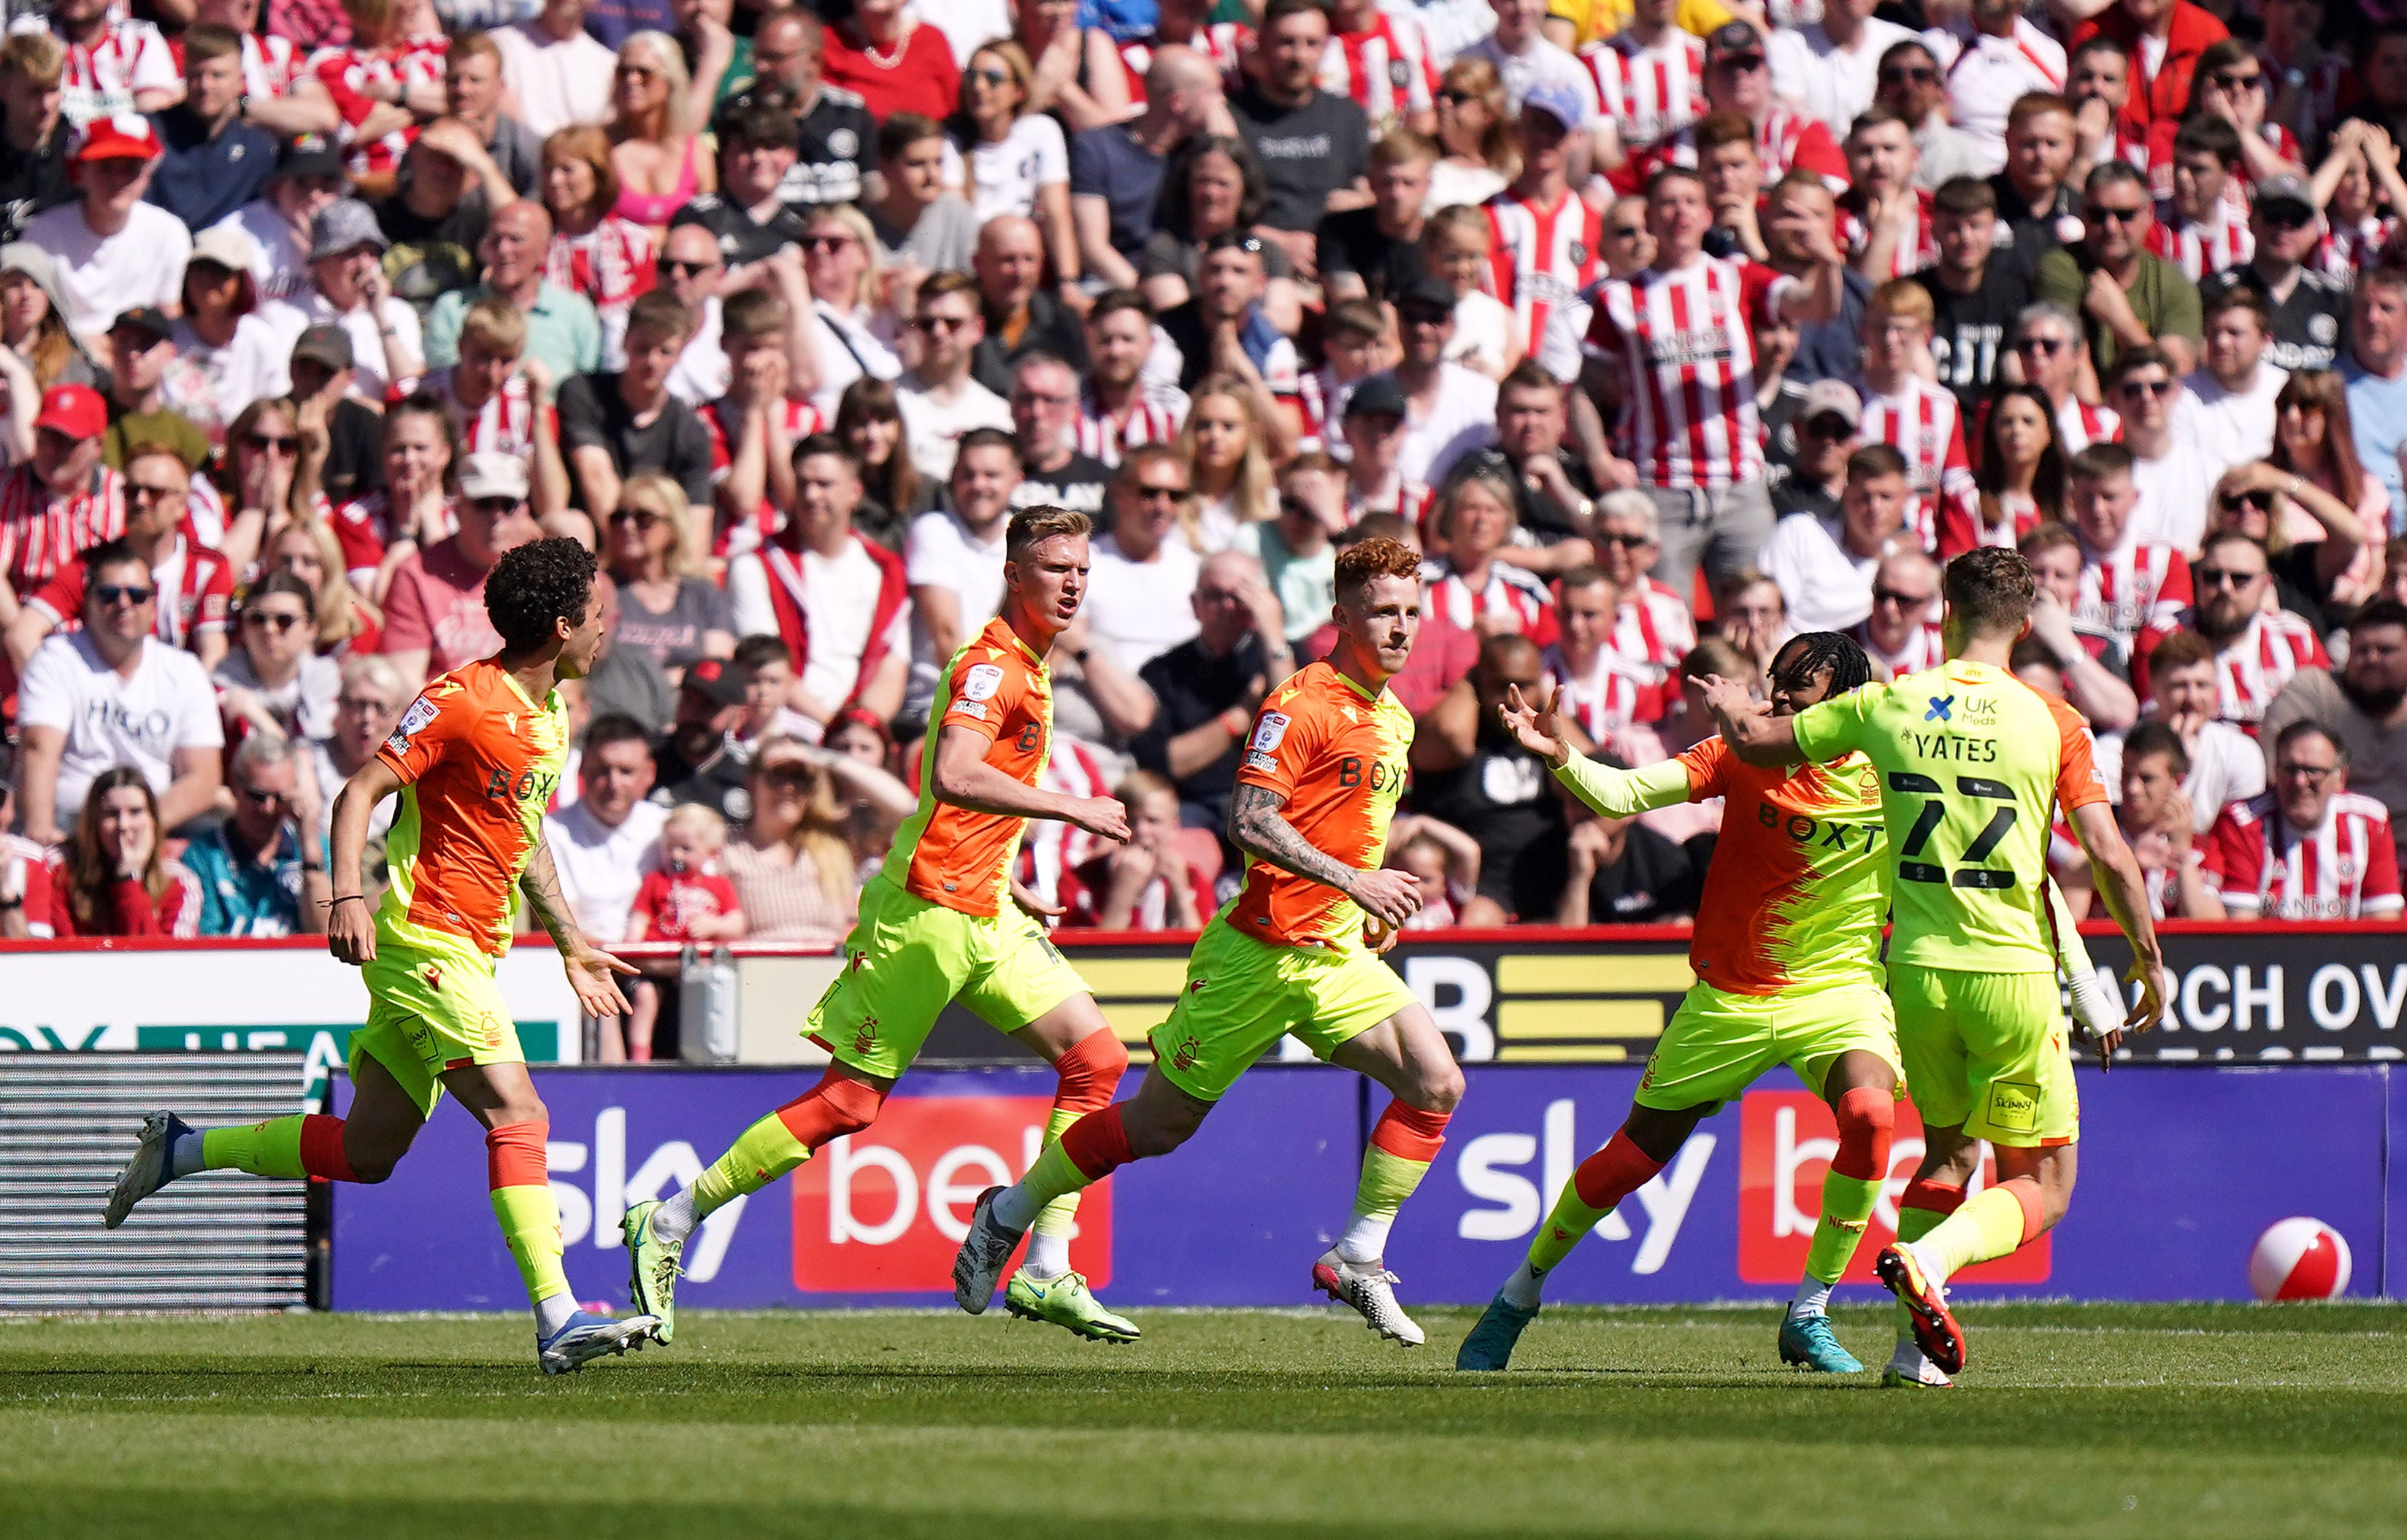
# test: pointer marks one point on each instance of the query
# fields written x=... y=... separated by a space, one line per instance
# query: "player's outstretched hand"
x=1101 y=816
x=1729 y=700
x=351 y=932
x=1033 y=903
x=1387 y=896
x=590 y=970
x=1537 y=728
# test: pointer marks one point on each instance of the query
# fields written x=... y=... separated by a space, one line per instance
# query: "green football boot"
x=652 y=1270
x=1064 y=1301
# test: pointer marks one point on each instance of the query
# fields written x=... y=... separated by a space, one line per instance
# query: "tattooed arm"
x=589 y=968
x=1256 y=827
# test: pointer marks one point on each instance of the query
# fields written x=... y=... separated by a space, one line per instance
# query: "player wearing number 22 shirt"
x=939 y=923
x=1972 y=765
x=1294 y=953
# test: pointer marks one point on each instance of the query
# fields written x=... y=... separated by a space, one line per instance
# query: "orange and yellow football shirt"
x=1337 y=754
x=998 y=689
x=478 y=762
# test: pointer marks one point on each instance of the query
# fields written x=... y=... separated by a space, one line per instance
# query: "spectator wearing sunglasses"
x=263 y=871
x=689 y=267
x=939 y=400
x=2048 y=343
x=109 y=693
x=2126 y=295
x=2173 y=475
x=1827 y=425
x=2307 y=308
x=197 y=583
x=434 y=609
x=563 y=329
x=277 y=682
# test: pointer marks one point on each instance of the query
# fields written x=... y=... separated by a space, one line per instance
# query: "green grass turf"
x=2073 y=1421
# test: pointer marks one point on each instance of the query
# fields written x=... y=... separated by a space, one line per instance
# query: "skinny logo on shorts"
x=2013 y=1106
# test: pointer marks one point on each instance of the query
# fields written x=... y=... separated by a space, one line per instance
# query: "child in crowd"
x=684 y=898
x=1446 y=861
x=1153 y=883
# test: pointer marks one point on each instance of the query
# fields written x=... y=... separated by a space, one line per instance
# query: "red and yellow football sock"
x=837 y=1106
x=1922 y=1208
x=521 y=1178
x=1404 y=1142
x=1089 y=1151
x=1851 y=1187
x=1993 y=1222
x=304 y=1145
x=1089 y=1073
x=1597 y=1187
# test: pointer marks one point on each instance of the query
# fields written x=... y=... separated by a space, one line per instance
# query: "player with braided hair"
x=1787 y=953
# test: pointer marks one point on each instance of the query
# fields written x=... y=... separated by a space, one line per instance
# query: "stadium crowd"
x=1664 y=329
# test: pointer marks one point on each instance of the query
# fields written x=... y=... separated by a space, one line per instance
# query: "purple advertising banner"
x=2181 y=1169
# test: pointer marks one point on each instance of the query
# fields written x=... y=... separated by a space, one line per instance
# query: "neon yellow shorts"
x=1987 y=1051
x=432 y=1009
x=1241 y=996
x=906 y=958
x=1719 y=1043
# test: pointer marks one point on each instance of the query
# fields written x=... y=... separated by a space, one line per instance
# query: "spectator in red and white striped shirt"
x=1655 y=629
x=2049 y=341
x=1603 y=692
x=2258 y=645
x=115 y=64
x=2308 y=848
x=1121 y=408
x=1918 y=418
x=61 y=503
x=1884 y=218
x=2130 y=585
x=499 y=396
x=196 y=583
x=1651 y=75
x=2197 y=229
x=1380 y=59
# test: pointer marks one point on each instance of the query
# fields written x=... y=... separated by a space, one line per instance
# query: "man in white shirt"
x=603 y=841
x=349 y=289
x=1143 y=570
x=111 y=250
x=1829 y=68
x=1824 y=566
x=2004 y=58
x=554 y=74
x=1450 y=410
x=2227 y=412
x=2168 y=469
x=939 y=400
x=110 y=693
x=309 y=176
x=1523 y=57
x=953 y=558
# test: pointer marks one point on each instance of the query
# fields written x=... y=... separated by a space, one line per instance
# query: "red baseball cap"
x=75 y=410
x=126 y=136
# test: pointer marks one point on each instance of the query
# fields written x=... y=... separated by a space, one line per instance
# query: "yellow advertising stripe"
x=1574 y=973
x=1517 y=1020
x=1129 y=1022
x=1562 y=1053
x=1132 y=978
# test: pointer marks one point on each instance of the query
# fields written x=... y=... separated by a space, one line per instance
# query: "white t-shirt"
x=1825 y=80
x=1005 y=176
x=840 y=596
x=101 y=277
x=212 y=384
x=935 y=427
x=847 y=349
x=1483 y=333
x=279 y=264
x=2226 y=765
x=1451 y=184
x=557 y=84
x=601 y=867
x=2173 y=492
x=942 y=552
x=108 y=719
x=288 y=318
x=967 y=25
x=1827 y=587
x=1544 y=61
x=700 y=377
x=1463 y=419
x=2229 y=427
x=1141 y=609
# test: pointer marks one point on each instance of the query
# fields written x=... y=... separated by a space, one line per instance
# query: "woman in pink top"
x=659 y=164
x=594 y=251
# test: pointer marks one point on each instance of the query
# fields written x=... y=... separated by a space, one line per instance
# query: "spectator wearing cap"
x=749 y=216
x=348 y=289
x=211 y=161
x=226 y=355
x=1223 y=332
x=141 y=347
x=307 y=176
x=836 y=135
x=109 y=693
x=1738 y=79
x=1373 y=426
x=123 y=63
x=1830 y=66
x=110 y=249
x=1021 y=316
x=564 y=329
x=1450 y=410
x=556 y=73
x=1314 y=146
x=34 y=335
x=701 y=760
x=436 y=214
x=840 y=602
x=196 y=583
x=63 y=501
x=472 y=92
x=35 y=135
x=1824 y=566
x=321 y=370
x=613 y=426
x=603 y=843
x=2307 y=307
x=434 y=617
x=262 y=871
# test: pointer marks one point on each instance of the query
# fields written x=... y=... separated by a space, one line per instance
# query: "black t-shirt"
x=1548 y=522
x=2307 y=326
x=1780 y=420
x=741 y=237
x=430 y=257
x=834 y=137
x=355 y=451
x=1193 y=686
x=1655 y=881
x=717 y=783
x=1793 y=494
x=2024 y=237
x=1971 y=332
x=1352 y=242
x=675 y=444
x=30 y=183
x=1077 y=485
x=1503 y=797
x=1307 y=152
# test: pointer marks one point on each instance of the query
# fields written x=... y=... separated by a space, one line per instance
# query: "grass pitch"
x=2073 y=1421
